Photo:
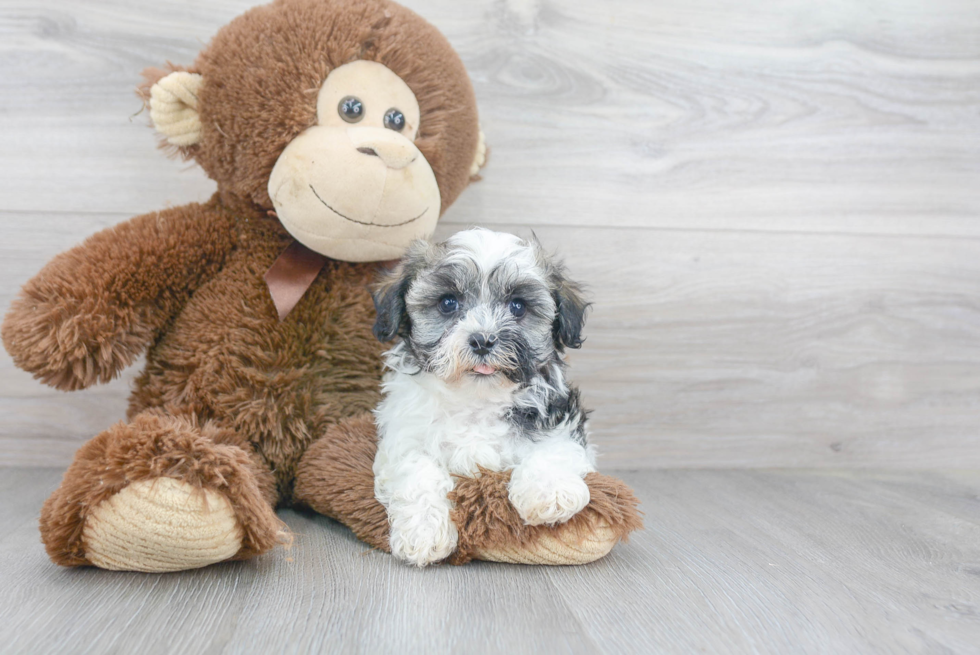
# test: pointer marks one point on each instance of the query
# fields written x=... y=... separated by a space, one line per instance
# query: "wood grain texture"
x=821 y=117
x=709 y=348
x=734 y=562
x=775 y=206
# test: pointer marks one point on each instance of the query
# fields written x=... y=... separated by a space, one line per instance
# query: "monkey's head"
x=354 y=121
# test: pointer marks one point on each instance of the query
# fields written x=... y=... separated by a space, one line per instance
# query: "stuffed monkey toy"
x=337 y=132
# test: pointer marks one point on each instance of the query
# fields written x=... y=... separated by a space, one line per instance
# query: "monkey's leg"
x=161 y=493
x=491 y=529
x=335 y=478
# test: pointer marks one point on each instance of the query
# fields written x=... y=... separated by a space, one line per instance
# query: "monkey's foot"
x=161 y=525
x=491 y=528
x=558 y=547
x=335 y=478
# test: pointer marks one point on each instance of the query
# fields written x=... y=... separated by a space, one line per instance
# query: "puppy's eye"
x=351 y=109
x=518 y=307
x=394 y=120
x=448 y=304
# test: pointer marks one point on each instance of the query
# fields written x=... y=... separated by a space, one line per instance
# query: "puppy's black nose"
x=482 y=344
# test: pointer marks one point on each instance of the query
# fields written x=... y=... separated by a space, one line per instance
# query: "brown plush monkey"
x=337 y=131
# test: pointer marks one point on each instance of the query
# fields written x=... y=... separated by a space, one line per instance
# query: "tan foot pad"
x=553 y=550
x=161 y=525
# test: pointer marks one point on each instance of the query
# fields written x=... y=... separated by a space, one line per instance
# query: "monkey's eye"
x=518 y=307
x=394 y=120
x=448 y=304
x=351 y=109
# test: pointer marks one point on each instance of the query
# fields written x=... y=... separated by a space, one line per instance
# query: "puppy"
x=477 y=379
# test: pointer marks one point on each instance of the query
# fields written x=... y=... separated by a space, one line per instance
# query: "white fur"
x=431 y=429
x=488 y=248
x=432 y=426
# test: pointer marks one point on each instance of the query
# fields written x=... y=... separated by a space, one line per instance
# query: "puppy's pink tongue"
x=485 y=369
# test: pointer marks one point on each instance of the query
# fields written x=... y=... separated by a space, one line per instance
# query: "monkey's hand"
x=94 y=309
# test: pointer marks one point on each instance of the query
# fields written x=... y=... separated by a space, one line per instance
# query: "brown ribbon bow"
x=291 y=275
x=293 y=272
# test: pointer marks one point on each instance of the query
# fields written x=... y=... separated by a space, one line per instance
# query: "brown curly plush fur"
x=487 y=521
x=231 y=397
x=335 y=479
x=260 y=88
x=152 y=446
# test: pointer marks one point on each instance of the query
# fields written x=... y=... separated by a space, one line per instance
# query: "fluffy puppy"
x=477 y=380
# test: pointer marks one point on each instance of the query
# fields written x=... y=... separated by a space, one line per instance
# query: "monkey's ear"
x=570 y=311
x=173 y=108
x=480 y=158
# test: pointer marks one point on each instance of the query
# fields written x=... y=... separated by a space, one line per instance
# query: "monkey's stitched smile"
x=363 y=222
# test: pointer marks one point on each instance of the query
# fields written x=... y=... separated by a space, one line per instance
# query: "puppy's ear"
x=389 y=301
x=570 y=314
x=389 y=294
x=570 y=306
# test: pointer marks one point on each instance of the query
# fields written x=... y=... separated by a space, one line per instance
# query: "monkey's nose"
x=482 y=344
x=393 y=149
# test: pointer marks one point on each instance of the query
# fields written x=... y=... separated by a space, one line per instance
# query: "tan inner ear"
x=481 y=155
x=173 y=108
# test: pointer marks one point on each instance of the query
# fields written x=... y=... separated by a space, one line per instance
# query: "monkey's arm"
x=92 y=310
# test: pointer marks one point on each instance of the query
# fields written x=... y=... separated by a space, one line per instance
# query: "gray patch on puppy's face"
x=490 y=301
x=481 y=300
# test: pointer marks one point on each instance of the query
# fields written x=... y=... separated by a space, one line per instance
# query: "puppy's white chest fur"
x=463 y=425
x=477 y=381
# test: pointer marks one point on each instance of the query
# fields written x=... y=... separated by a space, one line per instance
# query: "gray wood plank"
x=791 y=116
x=730 y=561
x=774 y=206
x=704 y=348
x=838 y=557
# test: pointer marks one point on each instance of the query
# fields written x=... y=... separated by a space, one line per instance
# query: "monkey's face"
x=354 y=186
x=354 y=121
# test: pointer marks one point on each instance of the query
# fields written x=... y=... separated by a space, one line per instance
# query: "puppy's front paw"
x=547 y=499
x=423 y=538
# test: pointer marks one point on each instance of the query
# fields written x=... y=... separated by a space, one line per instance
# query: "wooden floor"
x=731 y=561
